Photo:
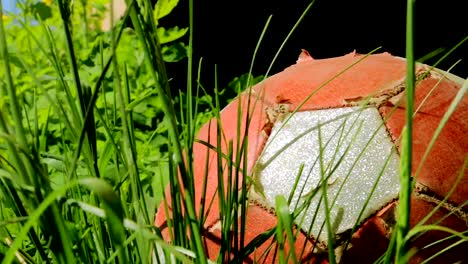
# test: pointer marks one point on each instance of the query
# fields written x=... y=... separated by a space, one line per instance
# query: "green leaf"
x=174 y=52
x=171 y=34
x=14 y=60
x=41 y=10
x=164 y=8
x=239 y=84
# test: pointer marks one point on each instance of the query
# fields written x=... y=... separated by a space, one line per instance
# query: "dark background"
x=226 y=33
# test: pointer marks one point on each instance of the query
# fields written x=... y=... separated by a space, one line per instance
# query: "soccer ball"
x=325 y=135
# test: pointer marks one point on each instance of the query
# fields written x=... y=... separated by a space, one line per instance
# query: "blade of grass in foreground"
x=330 y=232
x=285 y=225
x=404 y=209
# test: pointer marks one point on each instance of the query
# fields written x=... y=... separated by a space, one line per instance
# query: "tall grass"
x=407 y=143
x=93 y=139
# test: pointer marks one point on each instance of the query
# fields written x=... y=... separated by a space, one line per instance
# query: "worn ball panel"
x=353 y=151
x=330 y=82
x=341 y=83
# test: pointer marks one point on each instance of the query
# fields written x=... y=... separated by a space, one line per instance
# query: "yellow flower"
x=47 y=2
x=4 y=17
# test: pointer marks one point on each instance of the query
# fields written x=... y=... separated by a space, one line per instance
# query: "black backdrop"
x=226 y=32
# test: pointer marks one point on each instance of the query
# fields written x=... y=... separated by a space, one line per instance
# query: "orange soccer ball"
x=350 y=111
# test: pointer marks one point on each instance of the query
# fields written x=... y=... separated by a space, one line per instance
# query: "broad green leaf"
x=41 y=10
x=171 y=34
x=164 y=8
x=174 y=52
x=14 y=60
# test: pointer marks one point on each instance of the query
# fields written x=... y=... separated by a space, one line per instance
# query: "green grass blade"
x=459 y=242
x=434 y=53
x=433 y=89
x=404 y=208
x=284 y=228
x=424 y=228
x=330 y=231
x=291 y=31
